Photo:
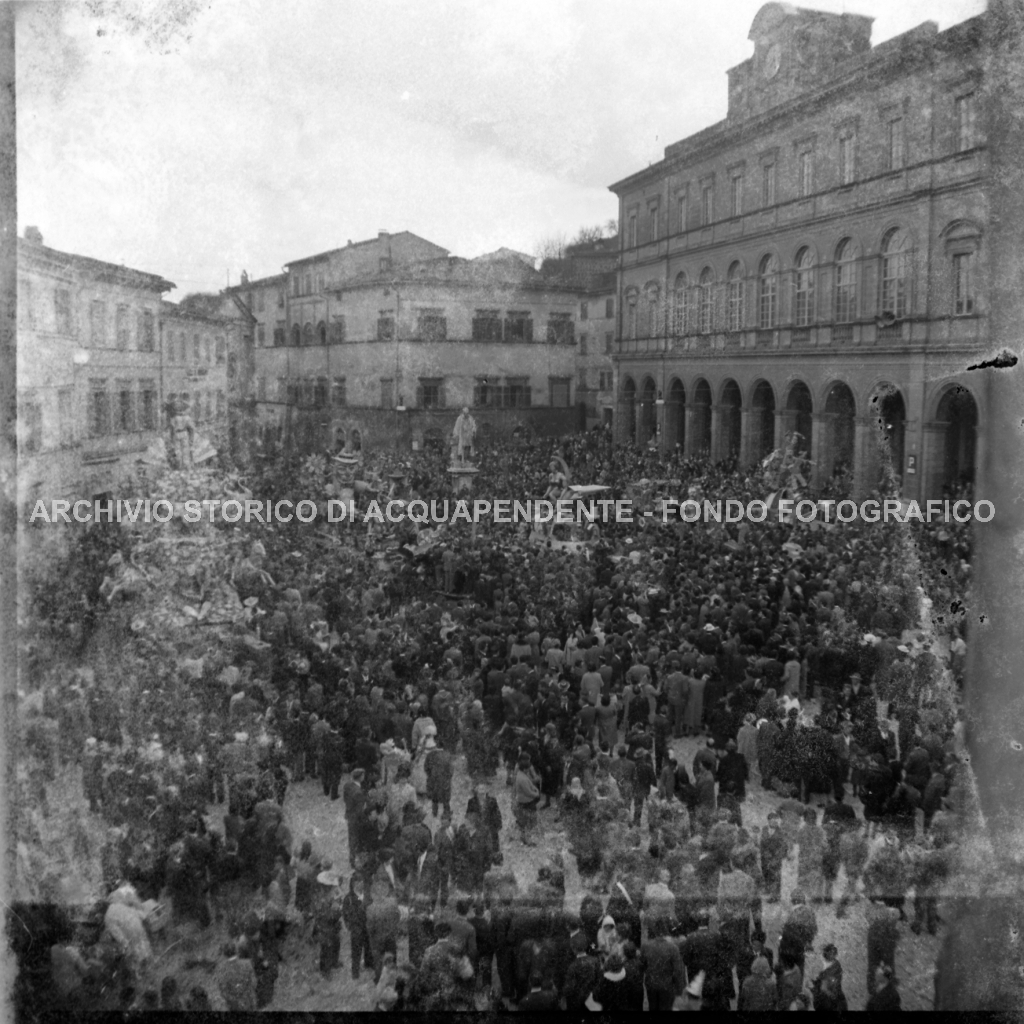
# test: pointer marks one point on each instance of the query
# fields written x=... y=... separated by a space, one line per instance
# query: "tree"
x=588 y=234
x=552 y=247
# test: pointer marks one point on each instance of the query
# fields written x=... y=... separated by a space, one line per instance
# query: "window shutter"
x=527 y=396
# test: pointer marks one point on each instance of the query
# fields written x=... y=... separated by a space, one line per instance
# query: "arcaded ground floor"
x=856 y=413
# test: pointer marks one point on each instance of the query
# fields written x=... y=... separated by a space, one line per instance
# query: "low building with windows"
x=89 y=370
x=384 y=341
x=816 y=261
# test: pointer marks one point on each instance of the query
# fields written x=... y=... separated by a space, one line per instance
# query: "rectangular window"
x=25 y=307
x=384 y=264
x=260 y=301
x=846 y=159
x=431 y=393
x=736 y=195
x=431 y=325
x=385 y=328
x=768 y=185
x=148 y=405
x=295 y=285
x=338 y=330
x=209 y=405
x=631 y=236
x=560 y=329
x=895 y=143
x=261 y=335
x=307 y=282
x=681 y=209
x=122 y=327
x=487 y=325
x=280 y=334
x=517 y=392
x=32 y=421
x=195 y=348
x=735 y=303
x=319 y=283
x=707 y=204
x=964 y=122
x=66 y=415
x=321 y=394
x=338 y=392
x=609 y=342
x=62 y=310
x=963 y=284
x=518 y=326
x=148 y=340
x=207 y=349
x=98 y=323
x=584 y=310
x=99 y=408
x=387 y=393
x=806 y=172
x=583 y=344
x=581 y=383
x=609 y=309
x=125 y=408
x=559 y=391
x=652 y=222
x=485 y=393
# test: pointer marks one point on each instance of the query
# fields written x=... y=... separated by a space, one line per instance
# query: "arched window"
x=679 y=306
x=767 y=292
x=296 y=334
x=706 y=299
x=736 y=297
x=803 y=288
x=846 y=281
x=895 y=273
x=321 y=332
x=631 y=301
x=307 y=333
x=182 y=348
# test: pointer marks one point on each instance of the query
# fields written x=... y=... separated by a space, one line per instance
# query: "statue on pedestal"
x=463 y=435
x=183 y=433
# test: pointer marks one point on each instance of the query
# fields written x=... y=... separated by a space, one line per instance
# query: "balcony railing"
x=842 y=333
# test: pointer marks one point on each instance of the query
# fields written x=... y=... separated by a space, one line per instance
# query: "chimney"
x=382 y=233
x=33 y=235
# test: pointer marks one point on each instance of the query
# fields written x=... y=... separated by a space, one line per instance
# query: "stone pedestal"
x=462 y=478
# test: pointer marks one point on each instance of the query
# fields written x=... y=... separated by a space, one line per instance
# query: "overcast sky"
x=195 y=139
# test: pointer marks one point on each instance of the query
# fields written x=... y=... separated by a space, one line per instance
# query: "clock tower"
x=795 y=50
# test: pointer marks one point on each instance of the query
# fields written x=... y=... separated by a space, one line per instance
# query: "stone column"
x=745 y=439
x=864 y=446
x=819 y=425
x=688 y=430
x=716 y=432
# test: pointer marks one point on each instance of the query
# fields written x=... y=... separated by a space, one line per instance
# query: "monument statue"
x=183 y=432
x=463 y=434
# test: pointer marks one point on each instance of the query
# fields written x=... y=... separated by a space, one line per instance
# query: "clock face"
x=772 y=60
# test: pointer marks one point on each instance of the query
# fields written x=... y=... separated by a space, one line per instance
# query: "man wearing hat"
x=328 y=922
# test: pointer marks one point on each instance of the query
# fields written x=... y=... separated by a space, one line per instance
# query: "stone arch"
x=798 y=412
x=701 y=421
x=648 y=410
x=321 y=333
x=675 y=413
x=888 y=450
x=839 y=423
x=762 y=420
x=627 y=402
x=953 y=453
x=730 y=419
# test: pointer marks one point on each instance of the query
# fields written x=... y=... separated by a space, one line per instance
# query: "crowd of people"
x=563 y=688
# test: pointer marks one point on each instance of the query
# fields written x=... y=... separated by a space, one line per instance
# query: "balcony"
x=842 y=334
